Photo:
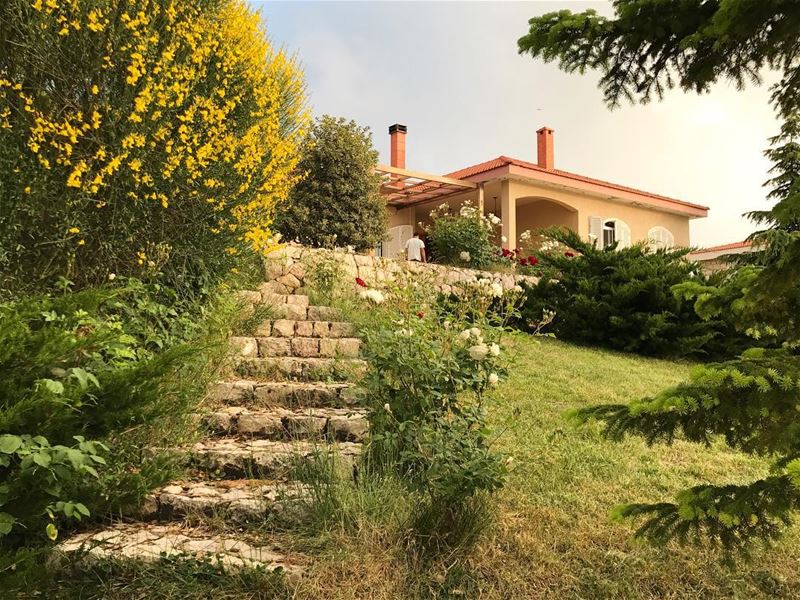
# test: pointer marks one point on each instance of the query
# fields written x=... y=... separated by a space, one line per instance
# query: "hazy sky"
x=450 y=72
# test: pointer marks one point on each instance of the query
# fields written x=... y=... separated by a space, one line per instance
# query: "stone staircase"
x=289 y=403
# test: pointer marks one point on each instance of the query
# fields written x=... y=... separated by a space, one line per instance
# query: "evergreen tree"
x=622 y=298
x=753 y=402
x=338 y=201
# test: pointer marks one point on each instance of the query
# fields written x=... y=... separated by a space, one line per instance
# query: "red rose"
x=569 y=254
x=532 y=261
x=361 y=282
x=420 y=314
x=517 y=250
x=522 y=262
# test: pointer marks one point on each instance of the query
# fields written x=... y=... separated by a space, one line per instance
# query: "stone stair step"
x=150 y=542
x=339 y=424
x=262 y=394
x=288 y=306
x=308 y=347
x=300 y=347
x=303 y=369
x=304 y=328
x=237 y=457
x=239 y=499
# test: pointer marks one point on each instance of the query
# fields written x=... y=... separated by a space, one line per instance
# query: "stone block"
x=259 y=424
x=348 y=428
x=263 y=329
x=305 y=347
x=321 y=329
x=349 y=347
x=297 y=300
x=290 y=281
x=295 y=312
x=341 y=329
x=283 y=328
x=274 y=346
x=328 y=347
x=363 y=260
x=298 y=271
x=272 y=269
x=248 y=296
x=322 y=313
x=233 y=391
x=244 y=346
x=273 y=287
x=304 y=329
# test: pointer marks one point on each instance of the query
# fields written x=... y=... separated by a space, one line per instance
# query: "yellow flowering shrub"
x=136 y=129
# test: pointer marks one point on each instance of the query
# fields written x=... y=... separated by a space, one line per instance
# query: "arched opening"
x=538 y=213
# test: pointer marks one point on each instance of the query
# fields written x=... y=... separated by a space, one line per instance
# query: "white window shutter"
x=596 y=230
x=623 y=234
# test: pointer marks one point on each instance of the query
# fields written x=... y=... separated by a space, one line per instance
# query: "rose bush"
x=463 y=237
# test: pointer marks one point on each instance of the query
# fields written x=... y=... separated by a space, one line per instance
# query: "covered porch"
x=412 y=195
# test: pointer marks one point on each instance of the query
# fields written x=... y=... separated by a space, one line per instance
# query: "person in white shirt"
x=415 y=249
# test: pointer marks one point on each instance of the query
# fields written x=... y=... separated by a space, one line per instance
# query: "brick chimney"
x=544 y=147
x=397 y=145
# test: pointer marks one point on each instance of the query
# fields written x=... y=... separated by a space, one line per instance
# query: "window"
x=616 y=231
x=660 y=237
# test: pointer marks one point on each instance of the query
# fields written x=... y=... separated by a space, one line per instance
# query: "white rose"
x=475 y=331
x=518 y=289
x=497 y=290
x=494 y=349
x=504 y=239
x=478 y=352
x=493 y=379
x=387 y=408
x=111 y=276
x=464 y=335
x=464 y=256
x=375 y=296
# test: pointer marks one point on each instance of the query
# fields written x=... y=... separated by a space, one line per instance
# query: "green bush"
x=120 y=364
x=623 y=299
x=463 y=238
x=34 y=475
x=337 y=203
x=139 y=136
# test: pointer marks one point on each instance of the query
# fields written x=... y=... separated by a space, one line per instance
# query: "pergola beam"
x=403 y=174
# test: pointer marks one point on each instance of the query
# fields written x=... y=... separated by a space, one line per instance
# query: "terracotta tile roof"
x=502 y=161
x=731 y=246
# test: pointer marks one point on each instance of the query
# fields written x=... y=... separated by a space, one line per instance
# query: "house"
x=717 y=258
x=529 y=196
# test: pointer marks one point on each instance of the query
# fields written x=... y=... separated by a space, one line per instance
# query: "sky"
x=450 y=72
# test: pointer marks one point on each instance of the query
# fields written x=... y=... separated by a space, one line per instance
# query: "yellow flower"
x=81 y=242
x=28 y=189
x=73 y=230
x=95 y=90
x=135 y=165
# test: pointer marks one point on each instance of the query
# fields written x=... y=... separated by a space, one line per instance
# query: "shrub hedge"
x=623 y=299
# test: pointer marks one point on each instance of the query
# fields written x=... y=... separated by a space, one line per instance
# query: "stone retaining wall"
x=286 y=269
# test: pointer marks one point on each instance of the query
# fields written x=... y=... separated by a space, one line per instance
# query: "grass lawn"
x=552 y=538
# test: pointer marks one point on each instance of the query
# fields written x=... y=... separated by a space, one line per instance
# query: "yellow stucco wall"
x=570 y=208
x=639 y=219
